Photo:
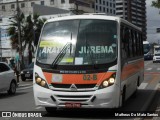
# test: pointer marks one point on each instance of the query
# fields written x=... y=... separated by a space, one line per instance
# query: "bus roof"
x=93 y=16
x=145 y=42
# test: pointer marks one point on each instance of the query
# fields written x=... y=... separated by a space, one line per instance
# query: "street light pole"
x=19 y=35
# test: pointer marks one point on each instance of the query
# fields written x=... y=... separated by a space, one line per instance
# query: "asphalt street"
x=146 y=100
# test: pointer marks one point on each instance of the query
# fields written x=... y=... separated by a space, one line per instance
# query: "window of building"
x=42 y=2
x=32 y=3
x=22 y=5
x=107 y=10
x=62 y=1
x=107 y=3
x=99 y=1
x=104 y=9
x=3 y=7
x=52 y=2
x=114 y=12
x=103 y=2
x=12 y=6
x=110 y=10
x=93 y=5
x=71 y=1
x=110 y=4
x=114 y=5
x=100 y=8
x=96 y=7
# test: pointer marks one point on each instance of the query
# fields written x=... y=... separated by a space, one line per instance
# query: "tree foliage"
x=30 y=32
x=156 y=4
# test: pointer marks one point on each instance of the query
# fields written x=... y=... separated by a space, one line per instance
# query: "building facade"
x=133 y=11
x=8 y=7
x=105 y=6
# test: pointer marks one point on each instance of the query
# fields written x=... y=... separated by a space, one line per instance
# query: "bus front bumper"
x=93 y=99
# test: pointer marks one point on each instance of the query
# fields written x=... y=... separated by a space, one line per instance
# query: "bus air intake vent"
x=79 y=86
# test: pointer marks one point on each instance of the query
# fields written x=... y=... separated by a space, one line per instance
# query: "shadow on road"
x=6 y=95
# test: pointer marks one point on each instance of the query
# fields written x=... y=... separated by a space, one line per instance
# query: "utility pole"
x=19 y=35
x=0 y=46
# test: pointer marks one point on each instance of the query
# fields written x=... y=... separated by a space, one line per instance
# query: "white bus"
x=87 y=61
x=147 y=50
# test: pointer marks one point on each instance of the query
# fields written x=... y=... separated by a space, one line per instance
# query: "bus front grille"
x=73 y=98
x=79 y=86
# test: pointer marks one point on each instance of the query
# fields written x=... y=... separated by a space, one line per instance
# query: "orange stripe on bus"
x=130 y=69
x=78 y=78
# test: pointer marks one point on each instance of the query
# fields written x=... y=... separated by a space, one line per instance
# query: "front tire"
x=12 y=89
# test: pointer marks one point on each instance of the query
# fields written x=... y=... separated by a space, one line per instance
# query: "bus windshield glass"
x=78 y=42
x=146 y=48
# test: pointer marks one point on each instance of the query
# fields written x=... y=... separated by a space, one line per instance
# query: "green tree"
x=30 y=32
x=13 y=30
x=156 y=4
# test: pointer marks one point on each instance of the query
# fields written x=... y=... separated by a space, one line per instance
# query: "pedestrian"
x=17 y=70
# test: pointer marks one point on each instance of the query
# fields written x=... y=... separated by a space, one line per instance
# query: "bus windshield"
x=78 y=42
x=146 y=48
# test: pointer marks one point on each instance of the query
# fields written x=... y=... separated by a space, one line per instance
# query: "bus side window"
x=128 y=44
x=123 y=43
x=138 y=44
x=133 y=46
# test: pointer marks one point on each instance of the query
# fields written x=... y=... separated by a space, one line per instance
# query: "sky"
x=153 y=22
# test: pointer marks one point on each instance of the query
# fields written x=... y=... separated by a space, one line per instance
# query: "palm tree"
x=13 y=30
x=30 y=32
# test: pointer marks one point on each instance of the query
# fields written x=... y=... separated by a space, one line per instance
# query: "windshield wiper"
x=62 y=53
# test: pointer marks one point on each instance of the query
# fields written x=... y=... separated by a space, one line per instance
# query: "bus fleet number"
x=89 y=77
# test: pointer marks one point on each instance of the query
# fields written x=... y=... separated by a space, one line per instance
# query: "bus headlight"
x=107 y=82
x=111 y=80
x=41 y=82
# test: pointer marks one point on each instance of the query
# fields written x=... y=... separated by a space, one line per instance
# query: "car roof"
x=6 y=64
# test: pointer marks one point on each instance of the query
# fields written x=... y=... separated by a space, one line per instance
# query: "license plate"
x=72 y=105
x=27 y=75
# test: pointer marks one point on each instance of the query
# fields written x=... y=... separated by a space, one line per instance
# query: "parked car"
x=148 y=56
x=156 y=57
x=27 y=73
x=8 y=81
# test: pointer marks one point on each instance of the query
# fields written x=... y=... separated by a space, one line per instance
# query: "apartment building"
x=84 y=6
x=8 y=7
x=134 y=11
x=105 y=6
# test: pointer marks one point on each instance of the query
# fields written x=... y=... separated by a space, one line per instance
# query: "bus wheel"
x=50 y=109
x=123 y=96
x=134 y=95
